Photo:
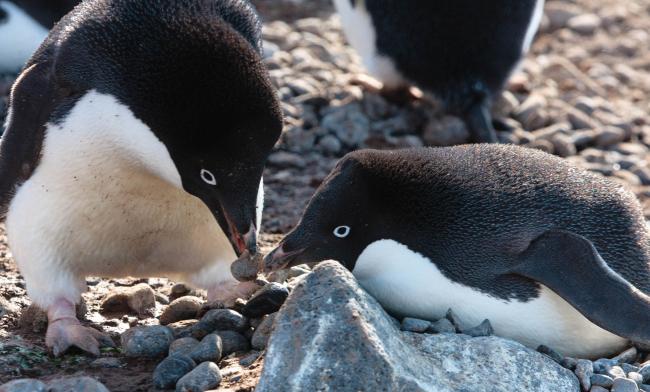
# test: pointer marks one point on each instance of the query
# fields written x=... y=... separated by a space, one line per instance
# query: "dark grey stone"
x=331 y=335
x=645 y=372
x=267 y=300
x=223 y=320
x=209 y=349
x=183 y=308
x=24 y=385
x=627 y=368
x=183 y=346
x=627 y=356
x=415 y=325
x=232 y=342
x=250 y=358
x=262 y=333
x=602 y=365
x=455 y=321
x=171 y=369
x=76 y=384
x=204 y=377
x=147 y=341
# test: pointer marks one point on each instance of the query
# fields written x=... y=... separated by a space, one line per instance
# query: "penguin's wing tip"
x=570 y=265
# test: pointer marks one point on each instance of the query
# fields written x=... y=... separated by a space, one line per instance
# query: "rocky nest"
x=583 y=93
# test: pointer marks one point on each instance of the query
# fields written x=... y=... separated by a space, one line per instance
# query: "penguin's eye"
x=342 y=231
x=208 y=177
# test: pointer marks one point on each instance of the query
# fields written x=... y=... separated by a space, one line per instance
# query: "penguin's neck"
x=101 y=133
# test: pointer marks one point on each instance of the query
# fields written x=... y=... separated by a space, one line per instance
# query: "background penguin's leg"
x=479 y=122
x=570 y=265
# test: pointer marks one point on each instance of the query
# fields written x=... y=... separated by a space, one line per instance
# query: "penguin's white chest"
x=106 y=199
x=360 y=32
x=408 y=284
x=20 y=36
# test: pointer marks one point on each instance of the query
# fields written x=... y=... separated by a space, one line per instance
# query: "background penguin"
x=492 y=231
x=24 y=25
x=462 y=51
x=135 y=145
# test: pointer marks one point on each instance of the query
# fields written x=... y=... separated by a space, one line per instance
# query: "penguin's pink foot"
x=65 y=331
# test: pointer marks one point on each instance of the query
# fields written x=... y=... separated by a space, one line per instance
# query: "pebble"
x=178 y=290
x=624 y=385
x=210 y=349
x=221 y=319
x=76 y=384
x=585 y=24
x=483 y=329
x=232 y=342
x=245 y=268
x=610 y=135
x=567 y=362
x=330 y=145
x=616 y=372
x=286 y=159
x=627 y=368
x=267 y=300
x=204 y=377
x=446 y=131
x=602 y=365
x=415 y=325
x=636 y=377
x=584 y=371
x=147 y=341
x=601 y=380
x=455 y=321
x=24 y=385
x=597 y=388
x=139 y=298
x=106 y=362
x=250 y=358
x=183 y=346
x=183 y=308
x=182 y=329
x=442 y=326
x=645 y=372
x=171 y=369
x=263 y=332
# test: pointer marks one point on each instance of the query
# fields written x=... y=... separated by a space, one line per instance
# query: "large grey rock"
x=331 y=335
x=77 y=384
x=24 y=385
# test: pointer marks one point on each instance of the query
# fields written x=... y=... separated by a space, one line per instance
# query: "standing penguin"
x=550 y=254
x=24 y=25
x=135 y=144
x=462 y=51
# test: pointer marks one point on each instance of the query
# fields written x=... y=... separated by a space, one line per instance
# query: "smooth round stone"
x=183 y=346
x=222 y=319
x=250 y=358
x=204 y=377
x=171 y=369
x=147 y=341
x=267 y=300
x=24 y=385
x=636 y=377
x=624 y=385
x=483 y=329
x=210 y=349
x=414 y=325
x=232 y=342
x=77 y=384
x=183 y=308
x=584 y=371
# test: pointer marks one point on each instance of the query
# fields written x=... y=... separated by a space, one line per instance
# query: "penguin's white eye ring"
x=342 y=231
x=208 y=177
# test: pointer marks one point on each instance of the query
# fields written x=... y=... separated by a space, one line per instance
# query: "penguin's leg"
x=64 y=330
x=479 y=122
x=570 y=265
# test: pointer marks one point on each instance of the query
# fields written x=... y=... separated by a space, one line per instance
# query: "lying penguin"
x=135 y=144
x=550 y=254
x=24 y=24
x=461 y=51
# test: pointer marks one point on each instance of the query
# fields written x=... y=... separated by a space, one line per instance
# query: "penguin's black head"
x=341 y=219
x=192 y=73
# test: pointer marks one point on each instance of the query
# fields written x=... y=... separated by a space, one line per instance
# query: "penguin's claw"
x=67 y=332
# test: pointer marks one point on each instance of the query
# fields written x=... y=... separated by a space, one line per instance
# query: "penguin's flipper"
x=479 y=122
x=570 y=265
x=33 y=97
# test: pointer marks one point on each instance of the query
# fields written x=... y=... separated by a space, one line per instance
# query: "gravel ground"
x=582 y=93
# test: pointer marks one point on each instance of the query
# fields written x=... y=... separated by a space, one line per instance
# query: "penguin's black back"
x=472 y=209
x=456 y=49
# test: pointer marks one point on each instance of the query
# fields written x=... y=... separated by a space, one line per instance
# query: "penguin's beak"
x=242 y=242
x=279 y=259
